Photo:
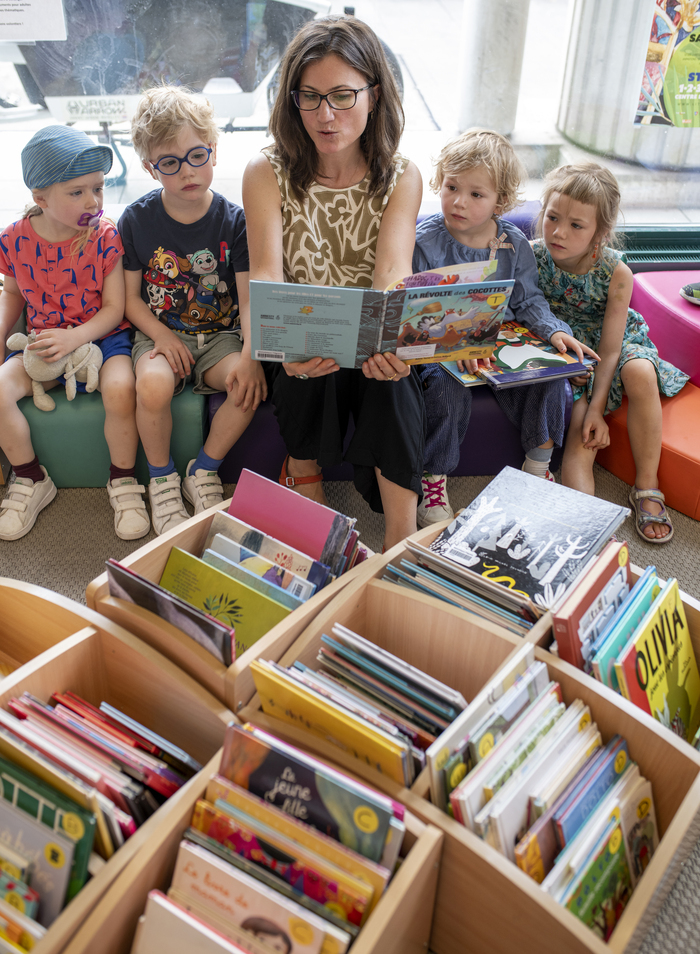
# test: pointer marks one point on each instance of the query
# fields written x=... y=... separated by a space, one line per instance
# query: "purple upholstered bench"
x=262 y=449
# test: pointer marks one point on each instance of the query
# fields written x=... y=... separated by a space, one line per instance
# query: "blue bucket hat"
x=59 y=153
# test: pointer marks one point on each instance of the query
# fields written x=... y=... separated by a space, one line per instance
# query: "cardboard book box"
x=233 y=685
x=399 y=924
x=482 y=896
x=62 y=645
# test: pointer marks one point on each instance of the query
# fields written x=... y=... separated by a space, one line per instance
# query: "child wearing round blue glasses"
x=186 y=271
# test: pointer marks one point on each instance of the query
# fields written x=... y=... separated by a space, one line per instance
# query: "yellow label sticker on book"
x=615 y=841
x=73 y=826
x=486 y=745
x=366 y=819
x=623 y=556
x=585 y=720
x=620 y=761
x=494 y=301
x=441 y=759
x=302 y=932
x=15 y=900
x=54 y=855
x=643 y=807
x=457 y=774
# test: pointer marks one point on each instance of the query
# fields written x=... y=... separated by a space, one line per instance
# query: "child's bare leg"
x=577 y=464
x=15 y=438
x=230 y=421
x=399 y=510
x=644 y=430
x=118 y=390
x=117 y=386
x=155 y=386
x=32 y=489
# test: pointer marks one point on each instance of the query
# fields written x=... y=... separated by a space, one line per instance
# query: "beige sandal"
x=643 y=518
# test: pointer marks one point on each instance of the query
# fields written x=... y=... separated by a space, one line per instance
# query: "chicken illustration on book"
x=530 y=536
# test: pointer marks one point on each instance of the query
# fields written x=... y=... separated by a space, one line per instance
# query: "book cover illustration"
x=298 y=322
x=346 y=895
x=50 y=851
x=248 y=612
x=257 y=808
x=268 y=878
x=272 y=572
x=305 y=789
x=461 y=273
x=599 y=895
x=212 y=635
x=520 y=357
x=591 y=603
x=269 y=547
x=658 y=668
x=254 y=580
x=529 y=535
x=238 y=897
x=295 y=520
x=61 y=815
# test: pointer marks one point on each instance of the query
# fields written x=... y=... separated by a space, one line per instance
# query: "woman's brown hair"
x=358 y=45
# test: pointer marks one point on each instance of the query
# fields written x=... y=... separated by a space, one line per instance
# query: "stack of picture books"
x=264 y=557
x=521 y=357
x=364 y=698
x=284 y=853
x=519 y=546
x=77 y=780
x=633 y=639
x=533 y=778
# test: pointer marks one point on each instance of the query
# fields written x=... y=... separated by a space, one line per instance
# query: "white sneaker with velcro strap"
x=167 y=508
x=131 y=520
x=24 y=501
x=203 y=489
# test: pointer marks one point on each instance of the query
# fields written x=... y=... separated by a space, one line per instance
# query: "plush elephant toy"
x=83 y=364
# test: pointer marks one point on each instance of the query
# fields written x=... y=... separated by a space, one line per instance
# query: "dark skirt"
x=389 y=420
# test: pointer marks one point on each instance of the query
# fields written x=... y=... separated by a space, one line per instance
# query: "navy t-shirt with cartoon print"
x=188 y=270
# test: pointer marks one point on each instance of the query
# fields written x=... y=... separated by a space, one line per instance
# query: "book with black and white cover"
x=531 y=537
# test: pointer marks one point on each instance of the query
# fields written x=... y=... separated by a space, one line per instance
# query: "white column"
x=491 y=59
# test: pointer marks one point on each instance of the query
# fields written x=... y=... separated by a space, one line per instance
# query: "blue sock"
x=204 y=462
x=161 y=471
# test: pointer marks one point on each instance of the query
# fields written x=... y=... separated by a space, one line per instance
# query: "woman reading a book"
x=333 y=203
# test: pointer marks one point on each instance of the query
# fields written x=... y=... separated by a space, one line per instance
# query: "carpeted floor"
x=75 y=535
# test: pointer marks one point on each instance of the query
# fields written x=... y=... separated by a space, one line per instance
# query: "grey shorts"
x=208 y=350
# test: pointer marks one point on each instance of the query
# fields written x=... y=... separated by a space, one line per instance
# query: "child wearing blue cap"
x=64 y=264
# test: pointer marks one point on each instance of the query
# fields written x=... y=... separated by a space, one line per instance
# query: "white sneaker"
x=167 y=508
x=435 y=506
x=24 y=500
x=547 y=475
x=131 y=520
x=203 y=489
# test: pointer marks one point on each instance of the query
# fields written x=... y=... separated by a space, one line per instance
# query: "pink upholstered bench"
x=674 y=323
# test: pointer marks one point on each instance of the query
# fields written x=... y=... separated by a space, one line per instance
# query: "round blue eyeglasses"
x=169 y=165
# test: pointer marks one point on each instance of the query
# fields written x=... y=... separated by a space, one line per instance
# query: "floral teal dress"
x=580 y=300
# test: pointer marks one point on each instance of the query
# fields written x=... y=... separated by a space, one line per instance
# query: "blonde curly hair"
x=483 y=147
x=162 y=113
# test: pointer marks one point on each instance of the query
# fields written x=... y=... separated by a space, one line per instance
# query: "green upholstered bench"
x=69 y=441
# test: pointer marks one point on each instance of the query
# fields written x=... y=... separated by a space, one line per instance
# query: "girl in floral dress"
x=588 y=285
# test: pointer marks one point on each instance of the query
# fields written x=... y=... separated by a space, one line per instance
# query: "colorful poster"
x=670 y=90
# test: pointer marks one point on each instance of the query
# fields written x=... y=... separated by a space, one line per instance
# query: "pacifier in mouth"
x=90 y=219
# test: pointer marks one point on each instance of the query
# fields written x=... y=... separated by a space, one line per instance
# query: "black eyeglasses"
x=305 y=100
x=169 y=165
